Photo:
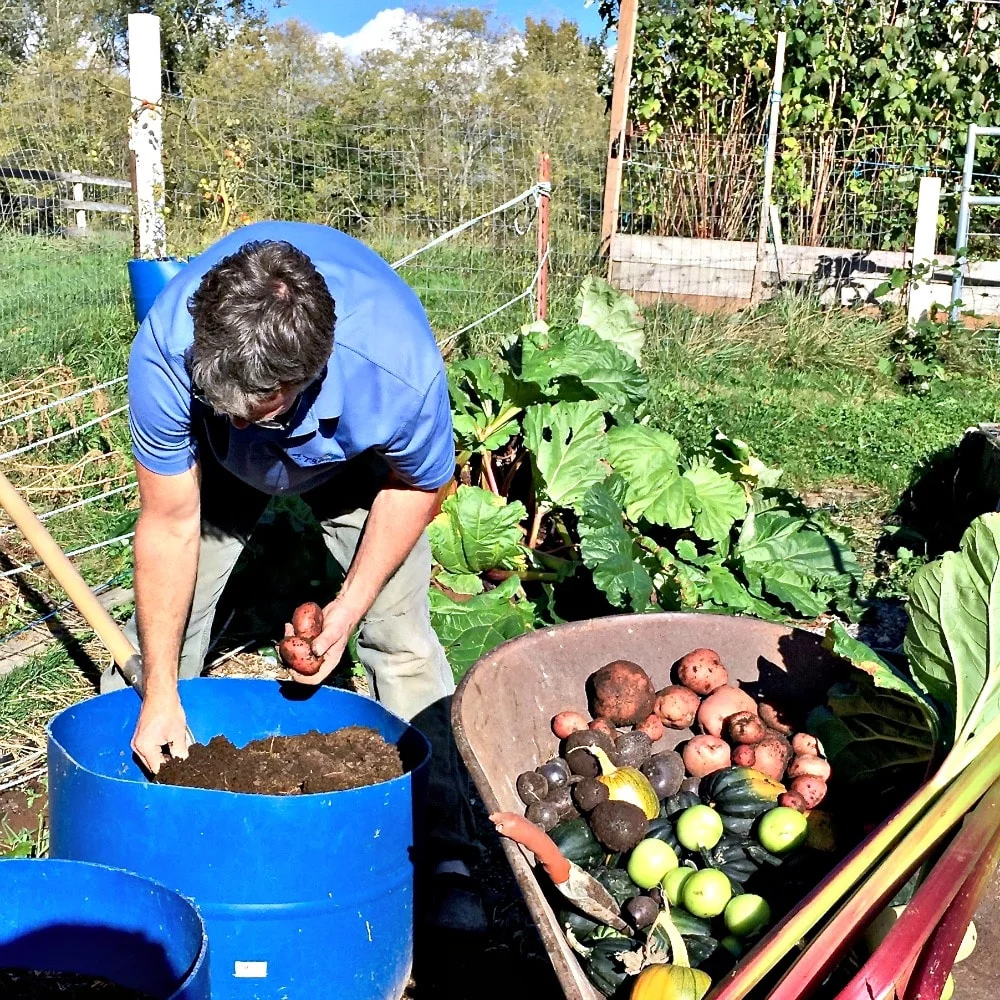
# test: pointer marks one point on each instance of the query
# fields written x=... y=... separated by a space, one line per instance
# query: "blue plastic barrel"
x=305 y=897
x=68 y=916
x=147 y=278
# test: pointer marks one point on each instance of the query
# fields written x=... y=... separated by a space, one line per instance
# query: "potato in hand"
x=296 y=650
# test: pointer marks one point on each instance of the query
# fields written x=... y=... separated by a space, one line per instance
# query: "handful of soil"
x=352 y=757
x=28 y=984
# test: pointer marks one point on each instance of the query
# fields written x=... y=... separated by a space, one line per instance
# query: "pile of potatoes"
x=736 y=730
x=732 y=728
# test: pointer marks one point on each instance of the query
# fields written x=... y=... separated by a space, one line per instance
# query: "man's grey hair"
x=263 y=319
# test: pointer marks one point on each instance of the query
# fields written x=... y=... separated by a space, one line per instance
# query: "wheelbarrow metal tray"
x=503 y=708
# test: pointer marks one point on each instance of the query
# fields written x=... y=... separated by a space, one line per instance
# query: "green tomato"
x=782 y=829
x=948 y=990
x=673 y=884
x=733 y=945
x=699 y=826
x=706 y=893
x=649 y=861
x=746 y=914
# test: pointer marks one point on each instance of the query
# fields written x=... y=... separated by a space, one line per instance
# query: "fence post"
x=545 y=181
x=772 y=146
x=146 y=136
x=921 y=296
x=81 y=215
x=619 y=117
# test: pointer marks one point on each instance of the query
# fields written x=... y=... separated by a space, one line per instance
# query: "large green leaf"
x=484 y=409
x=609 y=549
x=718 y=501
x=883 y=674
x=953 y=639
x=611 y=315
x=794 y=558
x=475 y=531
x=469 y=629
x=647 y=460
x=574 y=363
x=568 y=443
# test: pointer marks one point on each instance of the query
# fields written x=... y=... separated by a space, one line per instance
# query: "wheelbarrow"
x=502 y=710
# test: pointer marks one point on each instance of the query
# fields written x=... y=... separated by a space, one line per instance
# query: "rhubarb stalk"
x=938 y=957
x=978 y=762
x=880 y=975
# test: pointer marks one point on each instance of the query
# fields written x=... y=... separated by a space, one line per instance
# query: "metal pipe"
x=964 y=206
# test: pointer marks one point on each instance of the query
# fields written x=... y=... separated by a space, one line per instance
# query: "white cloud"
x=383 y=31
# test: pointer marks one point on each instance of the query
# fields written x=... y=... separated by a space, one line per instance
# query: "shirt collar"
x=323 y=400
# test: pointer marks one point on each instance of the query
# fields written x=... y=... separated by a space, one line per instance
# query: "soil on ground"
x=288 y=765
x=28 y=984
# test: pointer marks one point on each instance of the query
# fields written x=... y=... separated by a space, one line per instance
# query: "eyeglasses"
x=278 y=423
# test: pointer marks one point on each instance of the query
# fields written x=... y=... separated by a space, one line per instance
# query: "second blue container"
x=304 y=897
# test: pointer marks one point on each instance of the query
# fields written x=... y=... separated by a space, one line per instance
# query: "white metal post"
x=146 y=135
x=921 y=296
x=772 y=146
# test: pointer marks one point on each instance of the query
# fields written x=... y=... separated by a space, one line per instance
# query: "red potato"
x=792 y=800
x=704 y=754
x=811 y=765
x=812 y=789
x=568 y=722
x=603 y=726
x=621 y=692
x=776 y=717
x=652 y=727
x=702 y=671
x=677 y=706
x=307 y=620
x=745 y=755
x=745 y=727
x=297 y=654
x=720 y=705
x=803 y=743
x=772 y=757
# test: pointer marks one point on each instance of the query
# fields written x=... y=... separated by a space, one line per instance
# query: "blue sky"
x=344 y=18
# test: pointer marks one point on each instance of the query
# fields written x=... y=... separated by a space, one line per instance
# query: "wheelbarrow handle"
x=536 y=840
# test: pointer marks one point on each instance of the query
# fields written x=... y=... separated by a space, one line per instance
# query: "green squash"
x=577 y=843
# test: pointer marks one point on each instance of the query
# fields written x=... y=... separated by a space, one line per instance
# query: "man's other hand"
x=338 y=627
x=161 y=724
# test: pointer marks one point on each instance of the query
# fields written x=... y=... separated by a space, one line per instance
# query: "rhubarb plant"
x=569 y=489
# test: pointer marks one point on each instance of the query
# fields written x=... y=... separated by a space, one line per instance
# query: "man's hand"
x=161 y=723
x=338 y=627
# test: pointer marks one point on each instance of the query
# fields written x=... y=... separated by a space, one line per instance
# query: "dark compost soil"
x=27 y=984
x=288 y=765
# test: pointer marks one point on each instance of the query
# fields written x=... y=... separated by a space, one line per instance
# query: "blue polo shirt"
x=384 y=389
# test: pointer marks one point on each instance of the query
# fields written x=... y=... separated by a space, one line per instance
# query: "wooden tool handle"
x=65 y=573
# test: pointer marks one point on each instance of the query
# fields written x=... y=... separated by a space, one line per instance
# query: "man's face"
x=274 y=406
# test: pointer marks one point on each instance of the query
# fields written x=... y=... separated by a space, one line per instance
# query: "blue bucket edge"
x=198 y=975
x=148 y=277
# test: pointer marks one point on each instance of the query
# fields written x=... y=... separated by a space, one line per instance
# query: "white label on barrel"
x=250 y=970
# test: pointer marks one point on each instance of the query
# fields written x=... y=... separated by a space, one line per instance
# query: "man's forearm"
x=396 y=521
x=166 y=565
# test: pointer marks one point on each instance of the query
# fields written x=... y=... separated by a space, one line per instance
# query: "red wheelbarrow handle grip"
x=536 y=840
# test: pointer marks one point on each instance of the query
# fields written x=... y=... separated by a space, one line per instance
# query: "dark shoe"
x=454 y=904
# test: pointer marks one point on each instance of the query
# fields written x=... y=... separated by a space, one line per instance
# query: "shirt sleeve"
x=423 y=453
x=159 y=398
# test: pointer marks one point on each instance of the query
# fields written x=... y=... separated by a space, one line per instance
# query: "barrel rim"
x=200 y=959
x=311 y=797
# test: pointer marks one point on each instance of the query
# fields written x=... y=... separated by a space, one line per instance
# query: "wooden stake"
x=627 y=12
x=772 y=146
x=146 y=136
x=542 y=288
